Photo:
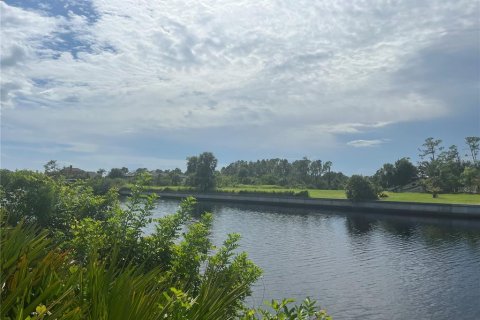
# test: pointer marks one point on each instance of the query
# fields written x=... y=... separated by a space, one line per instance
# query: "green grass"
x=460 y=198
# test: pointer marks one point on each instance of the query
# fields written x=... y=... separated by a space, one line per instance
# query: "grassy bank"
x=460 y=198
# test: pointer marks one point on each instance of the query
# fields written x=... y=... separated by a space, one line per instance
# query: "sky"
x=112 y=83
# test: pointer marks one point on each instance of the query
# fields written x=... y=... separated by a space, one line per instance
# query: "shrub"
x=359 y=188
x=102 y=265
x=34 y=193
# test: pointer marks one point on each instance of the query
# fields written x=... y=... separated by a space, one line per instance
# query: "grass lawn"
x=461 y=198
x=392 y=196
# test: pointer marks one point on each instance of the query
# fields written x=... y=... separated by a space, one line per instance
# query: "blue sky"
x=101 y=84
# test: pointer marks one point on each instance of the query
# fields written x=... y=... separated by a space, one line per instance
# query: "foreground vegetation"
x=68 y=253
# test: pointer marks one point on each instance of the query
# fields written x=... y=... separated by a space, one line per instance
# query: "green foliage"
x=51 y=203
x=117 y=173
x=29 y=195
x=201 y=171
x=52 y=168
x=282 y=310
x=473 y=144
x=300 y=173
x=94 y=262
x=102 y=186
x=359 y=188
x=395 y=175
x=35 y=279
x=470 y=177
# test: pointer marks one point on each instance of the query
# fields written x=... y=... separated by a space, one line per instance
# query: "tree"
x=316 y=170
x=450 y=169
x=301 y=168
x=28 y=195
x=385 y=176
x=141 y=170
x=359 y=188
x=405 y=172
x=474 y=146
x=201 y=171
x=51 y=168
x=326 y=168
x=430 y=148
x=175 y=176
x=430 y=168
x=117 y=172
x=470 y=178
x=101 y=172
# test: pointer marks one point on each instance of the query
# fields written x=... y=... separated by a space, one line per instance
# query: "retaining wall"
x=386 y=207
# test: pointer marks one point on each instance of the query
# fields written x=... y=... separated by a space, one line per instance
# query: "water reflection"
x=401 y=228
x=202 y=207
x=358 y=225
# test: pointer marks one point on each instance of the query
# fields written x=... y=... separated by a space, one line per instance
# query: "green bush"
x=359 y=188
x=28 y=195
x=91 y=260
x=42 y=282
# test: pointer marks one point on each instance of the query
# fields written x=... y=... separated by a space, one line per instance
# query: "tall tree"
x=431 y=147
x=51 y=168
x=474 y=146
x=326 y=169
x=451 y=168
x=430 y=166
x=201 y=171
x=301 y=168
x=316 y=170
x=385 y=176
x=405 y=172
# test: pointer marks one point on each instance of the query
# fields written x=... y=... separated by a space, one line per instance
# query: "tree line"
x=303 y=173
x=439 y=170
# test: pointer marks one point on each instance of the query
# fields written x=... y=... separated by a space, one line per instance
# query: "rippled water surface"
x=358 y=265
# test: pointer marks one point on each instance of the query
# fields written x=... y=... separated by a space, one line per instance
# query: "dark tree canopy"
x=405 y=172
x=201 y=171
x=117 y=172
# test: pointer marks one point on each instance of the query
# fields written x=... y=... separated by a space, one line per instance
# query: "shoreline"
x=466 y=211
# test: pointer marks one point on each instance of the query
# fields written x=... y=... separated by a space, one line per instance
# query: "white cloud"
x=287 y=70
x=366 y=143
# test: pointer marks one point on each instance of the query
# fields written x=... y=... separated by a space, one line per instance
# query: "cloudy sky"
x=107 y=83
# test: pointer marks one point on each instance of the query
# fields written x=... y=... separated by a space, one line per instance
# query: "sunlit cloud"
x=366 y=143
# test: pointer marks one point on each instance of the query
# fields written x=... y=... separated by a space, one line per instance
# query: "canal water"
x=357 y=266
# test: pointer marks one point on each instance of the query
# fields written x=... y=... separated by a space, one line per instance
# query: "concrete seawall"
x=385 y=207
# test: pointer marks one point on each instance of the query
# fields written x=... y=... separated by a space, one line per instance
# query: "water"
x=357 y=266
